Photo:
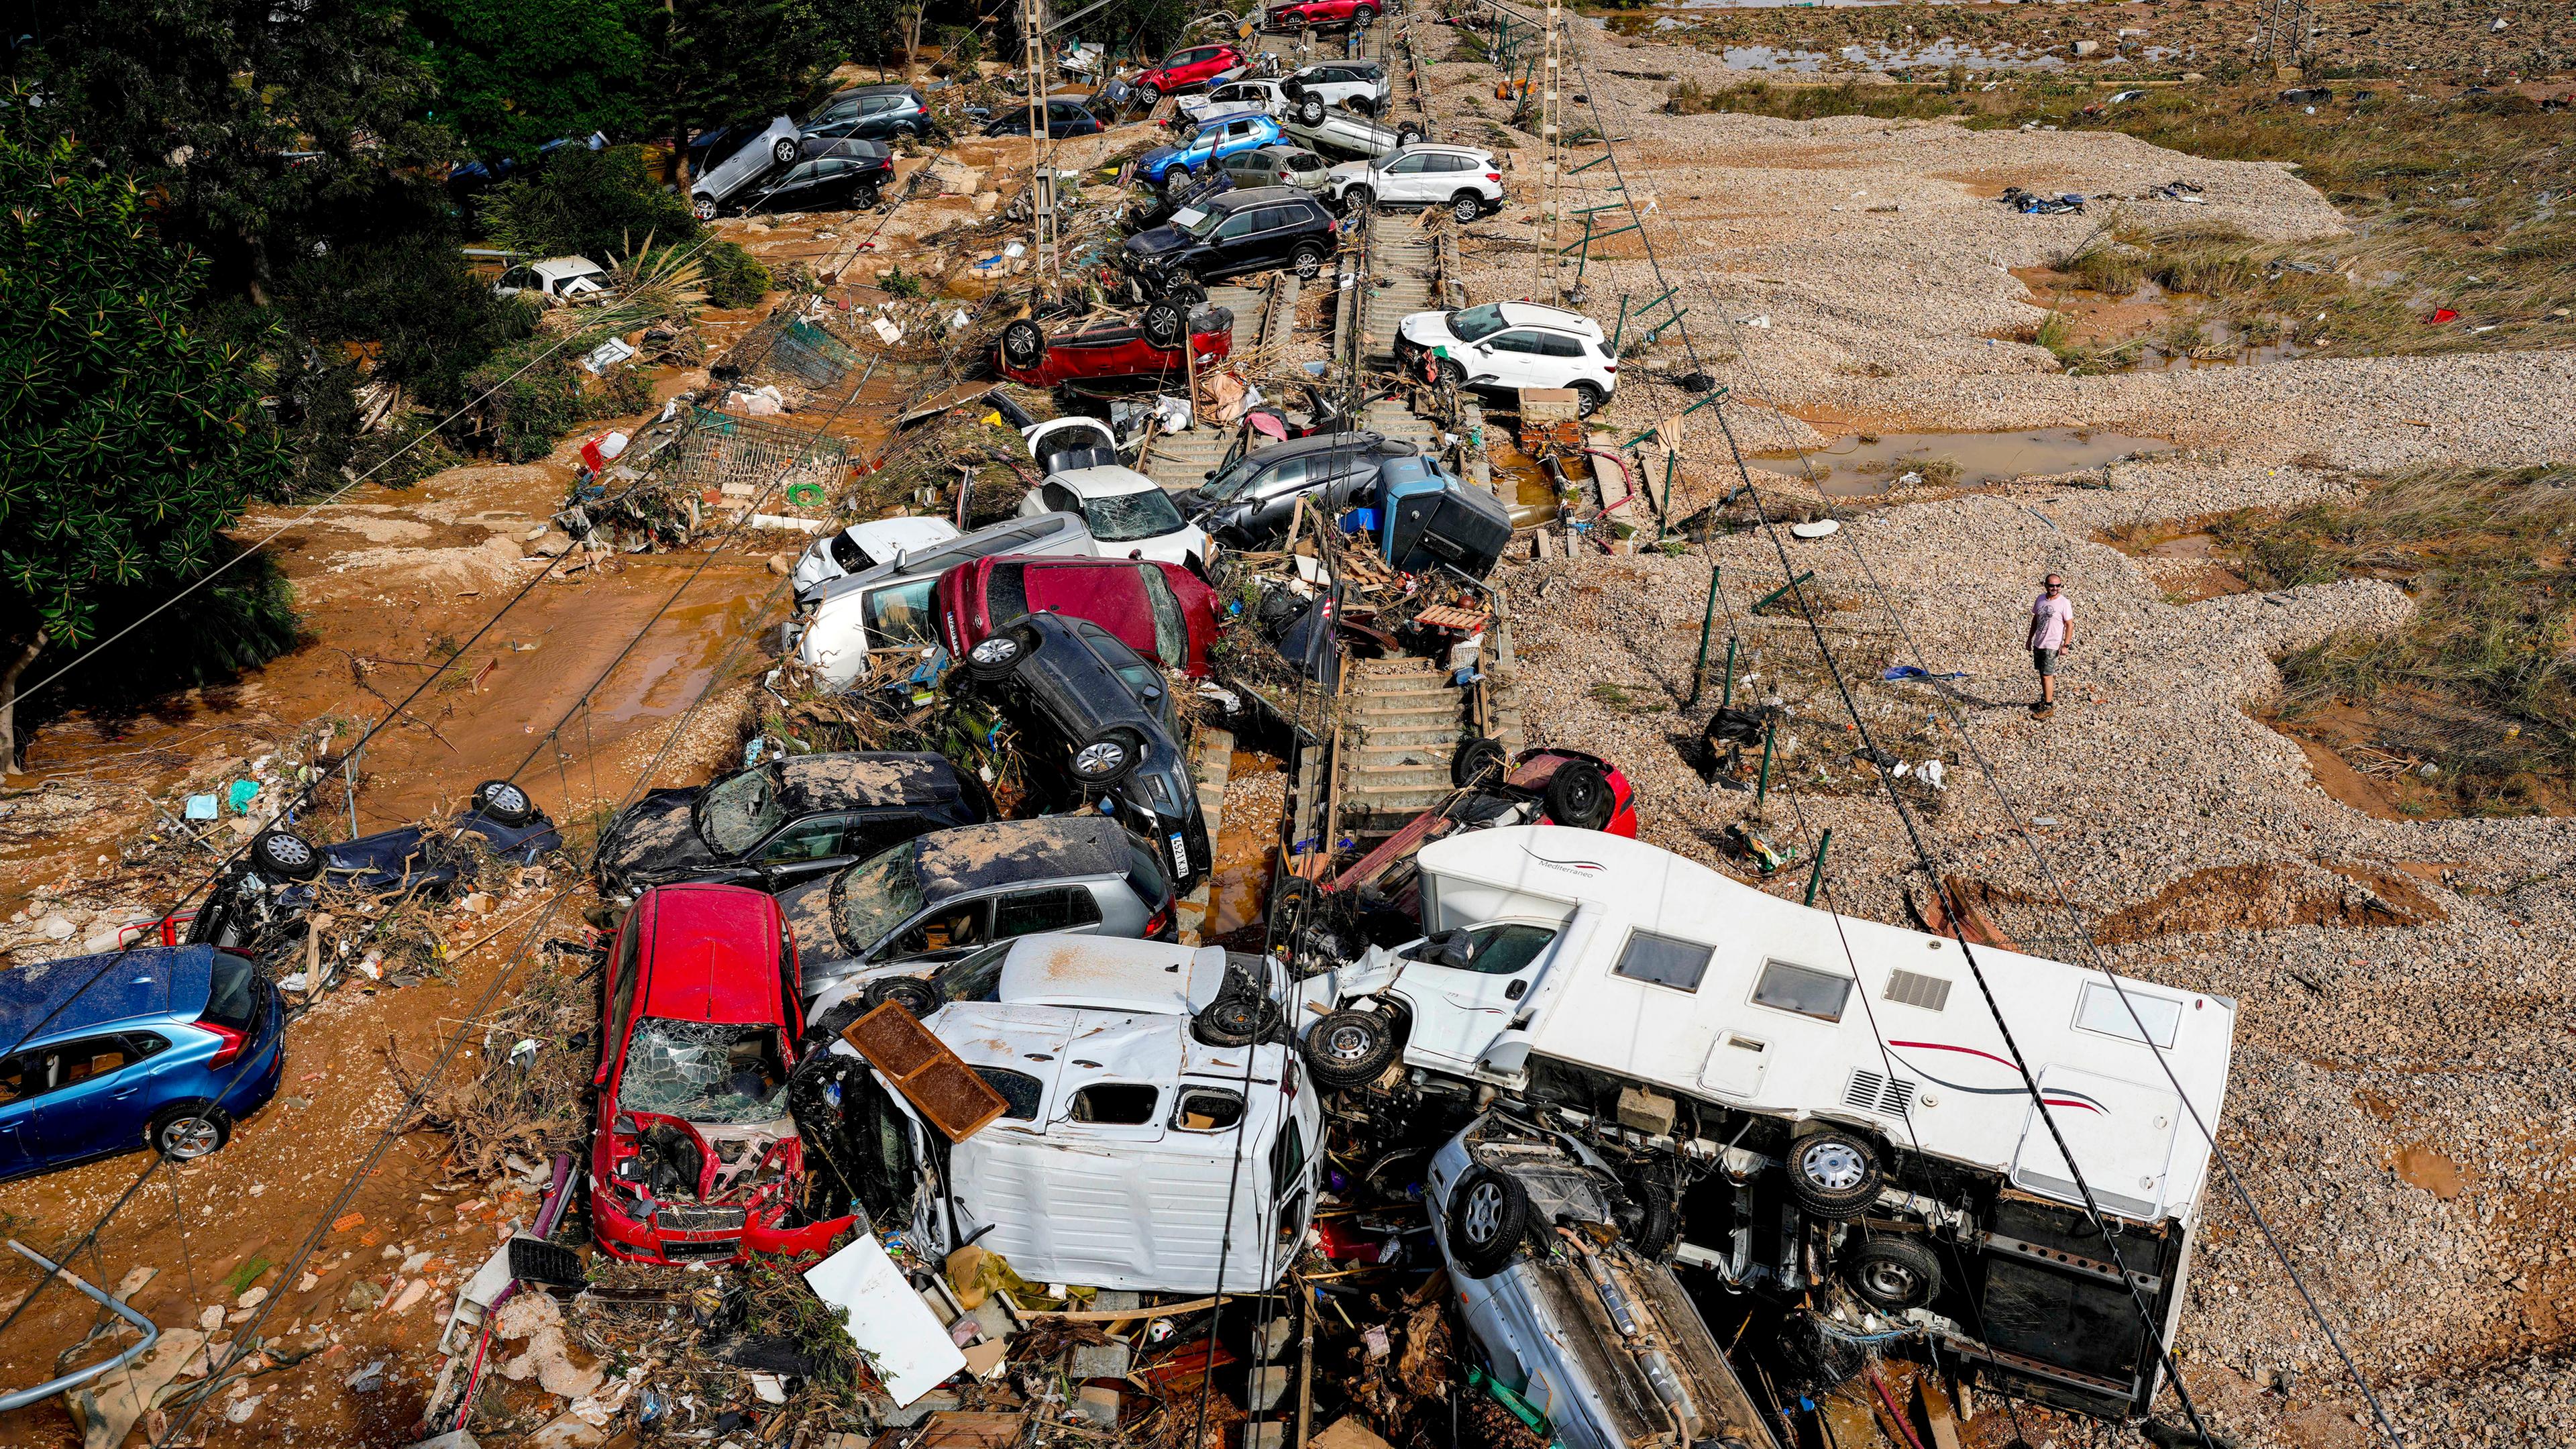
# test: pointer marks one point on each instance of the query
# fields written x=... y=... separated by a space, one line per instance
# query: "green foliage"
x=515 y=74
x=734 y=277
x=532 y=406
x=128 y=437
x=597 y=204
x=710 y=62
x=896 y=282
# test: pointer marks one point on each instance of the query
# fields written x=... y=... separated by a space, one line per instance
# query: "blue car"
x=166 y=1049
x=1218 y=137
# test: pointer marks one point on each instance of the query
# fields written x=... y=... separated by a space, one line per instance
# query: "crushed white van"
x=1818 y=1069
x=1135 y=1152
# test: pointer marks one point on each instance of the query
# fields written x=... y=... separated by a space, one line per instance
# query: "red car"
x=1183 y=69
x=1320 y=12
x=1160 y=610
x=695 y=1157
x=1098 y=351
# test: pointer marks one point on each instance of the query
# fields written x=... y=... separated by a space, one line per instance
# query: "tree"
x=598 y=204
x=712 y=62
x=129 y=439
x=515 y=74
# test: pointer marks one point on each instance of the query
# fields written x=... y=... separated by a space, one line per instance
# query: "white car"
x=1463 y=179
x=1129 y=514
x=1243 y=95
x=888 y=607
x=558 y=280
x=864 y=546
x=1507 y=346
x=1360 y=86
x=1347 y=133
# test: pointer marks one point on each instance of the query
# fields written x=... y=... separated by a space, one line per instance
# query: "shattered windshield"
x=718 y=1072
x=736 y=814
x=1147 y=513
x=1223 y=487
x=1475 y=324
x=1193 y=222
x=873 y=897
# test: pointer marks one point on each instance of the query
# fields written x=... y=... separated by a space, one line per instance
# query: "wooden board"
x=950 y=1095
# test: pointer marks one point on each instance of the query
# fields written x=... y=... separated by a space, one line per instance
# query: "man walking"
x=2052 y=633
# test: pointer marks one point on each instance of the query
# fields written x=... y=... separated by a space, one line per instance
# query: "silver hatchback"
x=1292 y=166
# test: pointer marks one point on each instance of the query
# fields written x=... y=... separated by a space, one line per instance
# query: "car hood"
x=654 y=840
x=1173 y=548
x=1427 y=329
x=1349 y=171
x=1156 y=157
x=1156 y=241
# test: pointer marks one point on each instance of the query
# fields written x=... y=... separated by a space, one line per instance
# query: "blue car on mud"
x=1217 y=138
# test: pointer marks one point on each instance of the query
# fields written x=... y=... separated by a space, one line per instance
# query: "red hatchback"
x=1160 y=610
x=1146 y=348
x=1183 y=69
x=695 y=1157
x=1320 y=12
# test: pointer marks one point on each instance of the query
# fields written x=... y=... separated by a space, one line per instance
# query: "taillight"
x=233 y=1042
x=1158 y=923
x=1493 y=176
x=1610 y=367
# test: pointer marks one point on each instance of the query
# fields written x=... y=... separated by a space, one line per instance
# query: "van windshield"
x=738 y=813
x=873 y=897
x=721 y=1072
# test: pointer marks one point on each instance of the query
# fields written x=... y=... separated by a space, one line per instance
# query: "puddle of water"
x=1239 y=879
x=1852 y=468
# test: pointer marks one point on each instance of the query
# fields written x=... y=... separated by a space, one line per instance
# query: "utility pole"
x=1551 y=145
x=1041 y=150
x=2281 y=34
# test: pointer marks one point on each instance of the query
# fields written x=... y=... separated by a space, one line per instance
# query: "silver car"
x=747 y=159
x=1293 y=166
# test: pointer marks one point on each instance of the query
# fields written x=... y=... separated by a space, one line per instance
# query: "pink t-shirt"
x=2048 y=620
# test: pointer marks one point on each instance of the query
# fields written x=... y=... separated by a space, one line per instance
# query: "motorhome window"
x=1205 y=1109
x=1495 y=950
x=1021 y=1092
x=1115 y=1104
x=1798 y=988
x=1664 y=960
x=2100 y=1009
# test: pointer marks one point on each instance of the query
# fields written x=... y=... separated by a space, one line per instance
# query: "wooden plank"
x=949 y=1093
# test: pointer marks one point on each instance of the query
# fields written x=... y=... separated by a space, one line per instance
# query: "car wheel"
x=867 y=198
x=1357 y=201
x=1175 y=181
x=1164 y=326
x=1894 y=1273
x=1310 y=110
x=1479 y=764
x=1308 y=261
x=703 y=208
x=1657 y=1224
x=784 y=151
x=1024 y=344
x=1148 y=94
x=906 y=131
x=1489 y=1214
x=1466 y=206
x=1293 y=902
x=1235 y=1018
x=1578 y=794
x=1589 y=398
x=1349 y=1048
x=1363 y=15
x=192 y=1130
x=1453 y=372
x=1833 y=1174
x=280 y=855
x=501 y=801
x=1106 y=759
x=911 y=993
x=998 y=655
x=1182 y=285
x=1408 y=134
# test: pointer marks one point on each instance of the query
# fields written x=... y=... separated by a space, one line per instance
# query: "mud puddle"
x=1868 y=464
x=1247 y=846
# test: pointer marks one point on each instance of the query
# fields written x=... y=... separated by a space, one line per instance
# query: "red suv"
x=695 y=1157
x=1320 y=12
x=1104 y=351
x=1183 y=69
x=1160 y=610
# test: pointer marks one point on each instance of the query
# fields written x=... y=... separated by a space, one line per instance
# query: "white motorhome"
x=1133 y=1154
x=1821 y=1068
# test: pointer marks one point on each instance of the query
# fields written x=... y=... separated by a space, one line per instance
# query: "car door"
x=1277 y=488
x=870 y=832
x=22 y=1081
x=1044 y=908
x=1406 y=178
x=1511 y=359
x=950 y=926
x=99 y=1100
x=1230 y=247
x=787 y=193
x=1465 y=987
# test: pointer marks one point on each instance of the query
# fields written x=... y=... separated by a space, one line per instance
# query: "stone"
x=987 y=202
x=995 y=1320
x=1270 y=1340
x=1116 y=1300
x=2087 y=47
x=251 y=1299
x=213 y=1318
x=364 y=1294
x=1098 y=1404
x=1265 y=1388
x=1650 y=1112
x=937 y=1401
x=1099 y=1361
x=55 y=928
x=1348 y=1433
x=549 y=543
x=781 y=564
x=453 y=1439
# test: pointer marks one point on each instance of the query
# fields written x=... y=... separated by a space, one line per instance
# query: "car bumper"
x=624 y=1237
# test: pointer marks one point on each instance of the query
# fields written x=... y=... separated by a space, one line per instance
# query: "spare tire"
x=1235 y=1018
x=1489 y=1214
x=1480 y=764
x=1833 y=1174
x=1024 y=344
x=1349 y=1048
x=912 y=993
x=501 y=801
x=282 y=855
x=1164 y=327
x=1578 y=794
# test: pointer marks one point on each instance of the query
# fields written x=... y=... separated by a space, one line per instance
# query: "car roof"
x=84 y=993
x=1064 y=661
x=1106 y=480
x=1011 y=535
x=1535 y=314
x=555 y=268
x=867 y=777
x=1353 y=442
x=1221 y=117
x=1110 y=973
x=954 y=862
x=1244 y=196
x=876 y=88
x=712 y=954
x=1153 y=1048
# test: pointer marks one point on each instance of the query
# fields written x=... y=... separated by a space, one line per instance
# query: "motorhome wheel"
x=1489 y=1214
x=1834 y=1174
x=1657 y=1225
x=1894 y=1273
x=1350 y=1048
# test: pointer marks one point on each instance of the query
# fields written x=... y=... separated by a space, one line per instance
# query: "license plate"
x=1180 y=855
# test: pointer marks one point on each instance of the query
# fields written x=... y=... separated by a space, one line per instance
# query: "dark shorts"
x=2044 y=660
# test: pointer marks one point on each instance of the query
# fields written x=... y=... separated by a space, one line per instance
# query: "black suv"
x=869 y=113
x=1097 y=714
x=1067 y=116
x=849 y=179
x=1247 y=503
x=786 y=821
x=1231 y=234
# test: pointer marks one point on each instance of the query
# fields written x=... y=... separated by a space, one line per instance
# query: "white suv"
x=1354 y=85
x=1505 y=346
x=1225 y=100
x=1461 y=178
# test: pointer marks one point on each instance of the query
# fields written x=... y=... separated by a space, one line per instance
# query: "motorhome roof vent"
x=1913 y=988
x=1871 y=1092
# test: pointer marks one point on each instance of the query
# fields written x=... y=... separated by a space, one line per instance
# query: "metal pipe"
x=1707 y=622
x=1763 y=789
x=1816 y=877
x=46 y=1390
x=1727 y=699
